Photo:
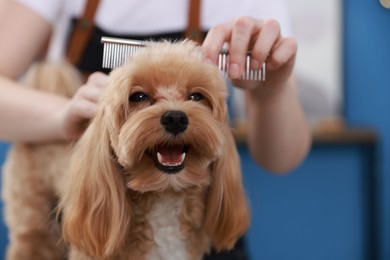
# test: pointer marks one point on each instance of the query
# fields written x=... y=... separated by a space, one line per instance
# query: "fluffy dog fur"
x=156 y=175
x=32 y=176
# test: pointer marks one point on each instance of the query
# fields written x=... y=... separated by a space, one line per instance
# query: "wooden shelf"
x=330 y=132
x=346 y=136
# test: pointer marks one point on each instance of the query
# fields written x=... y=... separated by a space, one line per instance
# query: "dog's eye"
x=138 y=97
x=195 y=96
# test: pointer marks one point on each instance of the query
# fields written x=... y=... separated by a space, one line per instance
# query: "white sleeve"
x=274 y=9
x=48 y=9
x=215 y=12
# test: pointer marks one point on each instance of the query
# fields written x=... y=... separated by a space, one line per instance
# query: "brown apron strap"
x=84 y=26
x=82 y=32
x=193 y=30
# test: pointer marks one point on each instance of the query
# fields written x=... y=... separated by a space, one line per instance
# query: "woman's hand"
x=77 y=113
x=265 y=41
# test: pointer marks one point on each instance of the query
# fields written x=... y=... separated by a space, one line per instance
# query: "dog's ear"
x=227 y=214
x=96 y=213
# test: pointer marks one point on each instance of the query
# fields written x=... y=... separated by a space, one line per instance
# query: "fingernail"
x=234 y=71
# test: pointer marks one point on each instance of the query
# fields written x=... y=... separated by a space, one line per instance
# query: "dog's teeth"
x=159 y=157
x=183 y=156
x=160 y=160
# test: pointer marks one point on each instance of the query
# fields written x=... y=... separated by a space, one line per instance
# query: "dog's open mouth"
x=169 y=158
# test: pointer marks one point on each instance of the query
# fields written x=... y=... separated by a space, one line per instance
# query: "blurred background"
x=336 y=205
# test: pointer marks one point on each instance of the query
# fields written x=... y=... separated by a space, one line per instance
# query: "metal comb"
x=116 y=51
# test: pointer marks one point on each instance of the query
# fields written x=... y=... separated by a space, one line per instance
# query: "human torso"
x=146 y=19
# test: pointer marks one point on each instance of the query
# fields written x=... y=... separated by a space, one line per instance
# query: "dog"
x=33 y=174
x=156 y=175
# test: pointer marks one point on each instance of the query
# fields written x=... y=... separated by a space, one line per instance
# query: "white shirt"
x=151 y=16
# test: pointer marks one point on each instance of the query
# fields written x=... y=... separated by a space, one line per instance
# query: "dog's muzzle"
x=174 y=121
x=169 y=157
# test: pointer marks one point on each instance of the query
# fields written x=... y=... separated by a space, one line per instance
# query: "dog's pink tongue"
x=171 y=154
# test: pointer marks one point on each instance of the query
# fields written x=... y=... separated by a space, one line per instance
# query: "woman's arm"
x=23 y=36
x=28 y=115
x=278 y=134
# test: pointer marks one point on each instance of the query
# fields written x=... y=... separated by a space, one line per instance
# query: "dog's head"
x=167 y=114
x=162 y=125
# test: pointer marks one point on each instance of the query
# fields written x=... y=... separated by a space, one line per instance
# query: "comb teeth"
x=249 y=74
x=116 y=51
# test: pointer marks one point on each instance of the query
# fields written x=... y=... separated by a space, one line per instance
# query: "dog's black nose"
x=174 y=121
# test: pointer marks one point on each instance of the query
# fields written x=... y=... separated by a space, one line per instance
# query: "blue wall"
x=317 y=212
x=3 y=230
x=367 y=82
x=321 y=210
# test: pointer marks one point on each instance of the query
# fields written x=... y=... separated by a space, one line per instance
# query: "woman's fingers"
x=92 y=89
x=282 y=53
x=268 y=36
x=262 y=38
x=215 y=39
x=244 y=30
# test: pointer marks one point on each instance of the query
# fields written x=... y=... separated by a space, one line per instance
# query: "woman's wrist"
x=265 y=94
